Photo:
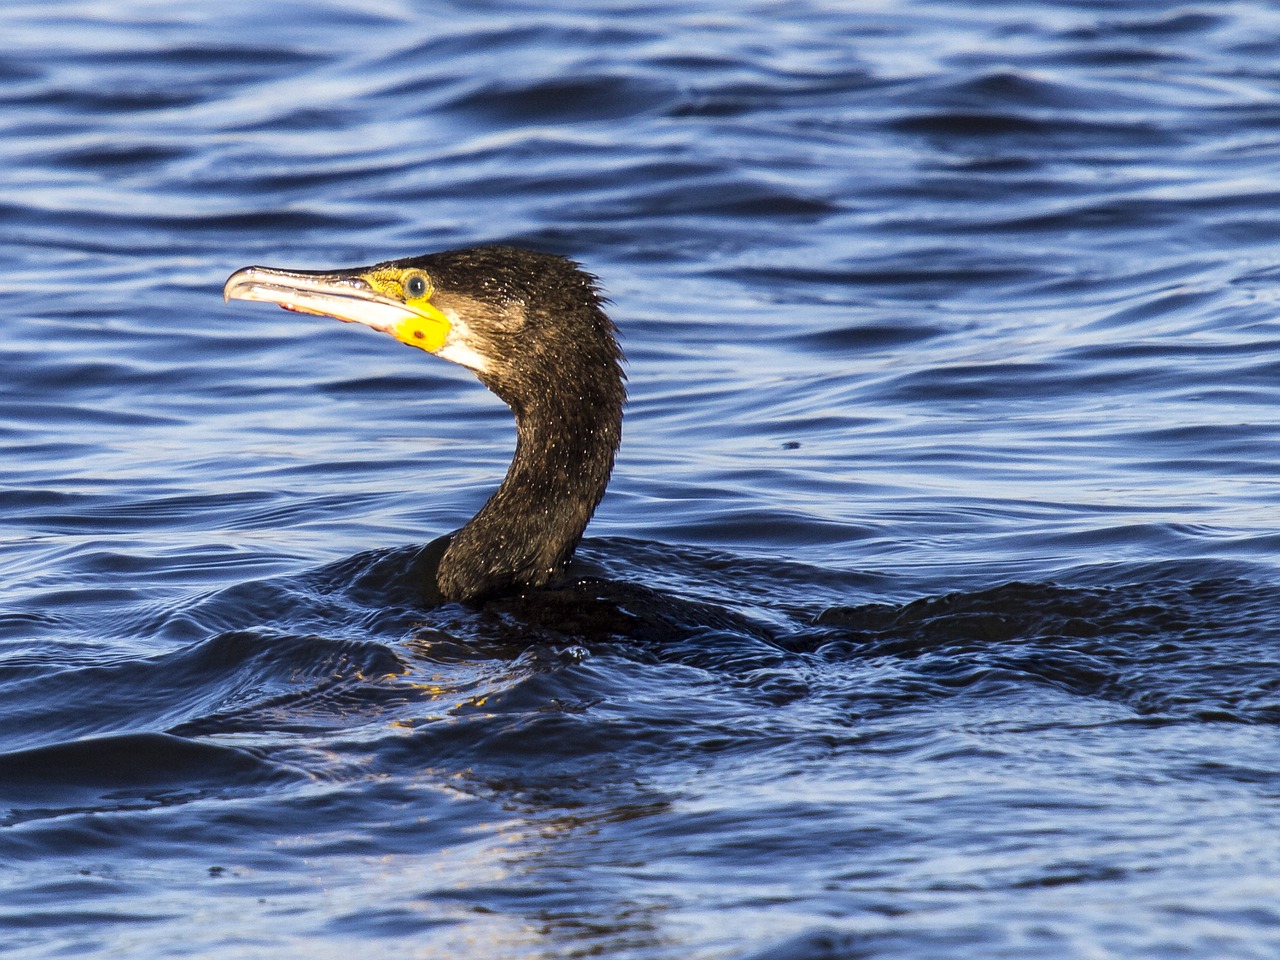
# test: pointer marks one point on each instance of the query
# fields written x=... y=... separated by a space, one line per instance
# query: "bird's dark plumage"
x=532 y=327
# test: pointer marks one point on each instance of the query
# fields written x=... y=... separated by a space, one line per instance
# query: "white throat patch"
x=456 y=349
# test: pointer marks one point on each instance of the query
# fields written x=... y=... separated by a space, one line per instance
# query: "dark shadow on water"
x=128 y=771
x=340 y=673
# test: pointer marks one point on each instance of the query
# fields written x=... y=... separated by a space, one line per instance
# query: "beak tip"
x=232 y=289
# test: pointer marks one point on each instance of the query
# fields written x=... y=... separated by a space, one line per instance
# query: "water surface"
x=934 y=601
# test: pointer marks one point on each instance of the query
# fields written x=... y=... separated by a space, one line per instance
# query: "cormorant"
x=531 y=327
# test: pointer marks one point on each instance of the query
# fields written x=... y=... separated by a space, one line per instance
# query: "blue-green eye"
x=415 y=287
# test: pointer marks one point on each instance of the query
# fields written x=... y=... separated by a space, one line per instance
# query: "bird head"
x=510 y=315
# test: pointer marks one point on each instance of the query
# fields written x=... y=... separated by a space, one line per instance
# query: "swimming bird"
x=531 y=326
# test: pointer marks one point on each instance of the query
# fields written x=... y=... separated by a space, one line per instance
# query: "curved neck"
x=527 y=531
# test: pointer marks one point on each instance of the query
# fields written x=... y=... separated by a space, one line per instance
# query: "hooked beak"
x=345 y=295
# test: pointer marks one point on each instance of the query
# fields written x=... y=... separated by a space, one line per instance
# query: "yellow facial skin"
x=428 y=327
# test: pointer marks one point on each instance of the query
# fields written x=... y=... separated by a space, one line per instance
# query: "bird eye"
x=415 y=287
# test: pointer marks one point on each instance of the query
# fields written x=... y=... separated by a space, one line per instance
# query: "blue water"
x=934 y=612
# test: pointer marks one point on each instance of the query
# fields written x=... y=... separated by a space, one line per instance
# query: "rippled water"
x=934 y=610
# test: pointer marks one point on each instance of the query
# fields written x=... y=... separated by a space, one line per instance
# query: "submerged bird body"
x=532 y=328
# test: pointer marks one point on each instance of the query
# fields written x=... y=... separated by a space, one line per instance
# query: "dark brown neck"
x=527 y=531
